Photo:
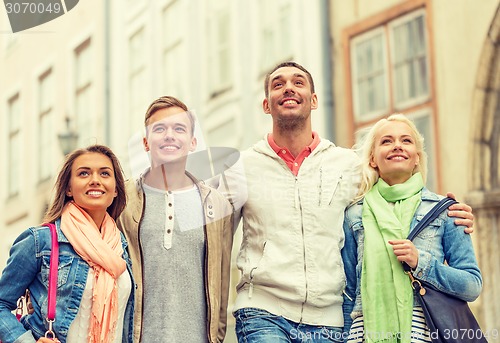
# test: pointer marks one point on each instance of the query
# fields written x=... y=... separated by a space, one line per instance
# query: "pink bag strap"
x=54 y=261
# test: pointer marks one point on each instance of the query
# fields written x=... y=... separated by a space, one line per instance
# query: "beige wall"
x=459 y=34
x=23 y=58
x=459 y=29
x=462 y=38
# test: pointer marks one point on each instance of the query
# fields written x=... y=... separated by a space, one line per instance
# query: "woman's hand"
x=405 y=251
x=47 y=340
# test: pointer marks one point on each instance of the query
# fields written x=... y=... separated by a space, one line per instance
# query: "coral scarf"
x=102 y=251
x=386 y=293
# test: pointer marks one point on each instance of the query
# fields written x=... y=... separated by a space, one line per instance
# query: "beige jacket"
x=218 y=243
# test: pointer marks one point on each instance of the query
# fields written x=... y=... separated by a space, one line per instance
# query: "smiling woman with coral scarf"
x=94 y=288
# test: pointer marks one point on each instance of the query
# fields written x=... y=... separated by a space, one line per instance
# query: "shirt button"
x=169 y=204
x=170 y=217
x=283 y=151
x=168 y=231
x=210 y=206
x=296 y=164
x=210 y=212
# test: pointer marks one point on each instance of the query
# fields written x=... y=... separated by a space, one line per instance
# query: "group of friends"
x=324 y=237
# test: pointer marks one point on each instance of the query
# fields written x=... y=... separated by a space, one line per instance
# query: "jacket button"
x=420 y=274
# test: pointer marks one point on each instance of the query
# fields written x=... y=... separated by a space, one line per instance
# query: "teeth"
x=169 y=148
x=290 y=102
x=95 y=193
x=398 y=158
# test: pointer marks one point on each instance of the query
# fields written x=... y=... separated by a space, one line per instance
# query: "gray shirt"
x=173 y=247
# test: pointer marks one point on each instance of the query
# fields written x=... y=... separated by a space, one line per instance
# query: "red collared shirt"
x=292 y=162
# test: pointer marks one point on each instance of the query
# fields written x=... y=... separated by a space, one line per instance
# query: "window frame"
x=14 y=141
x=416 y=108
x=44 y=132
x=83 y=90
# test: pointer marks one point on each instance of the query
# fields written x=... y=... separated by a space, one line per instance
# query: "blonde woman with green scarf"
x=378 y=297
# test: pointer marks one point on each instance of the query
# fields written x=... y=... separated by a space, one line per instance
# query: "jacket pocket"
x=432 y=229
x=250 y=265
x=328 y=187
x=63 y=269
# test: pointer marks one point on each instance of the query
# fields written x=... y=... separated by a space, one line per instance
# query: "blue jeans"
x=258 y=326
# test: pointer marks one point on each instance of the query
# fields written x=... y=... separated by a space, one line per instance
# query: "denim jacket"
x=28 y=268
x=441 y=241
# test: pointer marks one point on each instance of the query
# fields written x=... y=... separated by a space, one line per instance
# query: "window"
x=390 y=73
x=409 y=62
x=137 y=78
x=423 y=123
x=14 y=147
x=219 y=49
x=83 y=92
x=374 y=91
x=369 y=74
x=275 y=33
x=173 y=50
x=45 y=124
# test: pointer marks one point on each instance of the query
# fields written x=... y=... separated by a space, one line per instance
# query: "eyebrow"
x=280 y=76
x=162 y=123
x=392 y=136
x=88 y=168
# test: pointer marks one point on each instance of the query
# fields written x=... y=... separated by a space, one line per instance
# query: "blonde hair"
x=370 y=175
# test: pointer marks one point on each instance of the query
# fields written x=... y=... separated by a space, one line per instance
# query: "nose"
x=288 y=89
x=95 y=179
x=169 y=134
x=397 y=145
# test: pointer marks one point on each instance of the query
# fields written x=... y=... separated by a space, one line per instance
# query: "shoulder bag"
x=25 y=301
x=449 y=319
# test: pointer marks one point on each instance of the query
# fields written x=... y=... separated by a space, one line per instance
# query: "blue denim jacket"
x=441 y=241
x=28 y=267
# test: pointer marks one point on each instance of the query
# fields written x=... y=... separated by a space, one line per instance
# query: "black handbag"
x=448 y=318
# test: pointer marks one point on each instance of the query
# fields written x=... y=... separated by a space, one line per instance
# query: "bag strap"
x=427 y=219
x=52 y=291
x=431 y=215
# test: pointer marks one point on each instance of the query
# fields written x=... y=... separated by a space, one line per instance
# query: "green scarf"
x=387 y=296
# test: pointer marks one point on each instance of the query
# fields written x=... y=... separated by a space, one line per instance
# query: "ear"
x=372 y=163
x=145 y=144
x=314 y=101
x=68 y=192
x=265 y=106
x=116 y=193
x=194 y=144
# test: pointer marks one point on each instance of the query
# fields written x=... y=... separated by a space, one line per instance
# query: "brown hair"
x=62 y=183
x=283 y=65
x=167 y=102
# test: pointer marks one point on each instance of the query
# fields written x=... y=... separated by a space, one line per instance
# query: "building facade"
x=438 y=62
x=103 y=62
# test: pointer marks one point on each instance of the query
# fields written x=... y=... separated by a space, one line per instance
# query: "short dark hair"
x=167 y=101
x=287 y=64
x=62 y=183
